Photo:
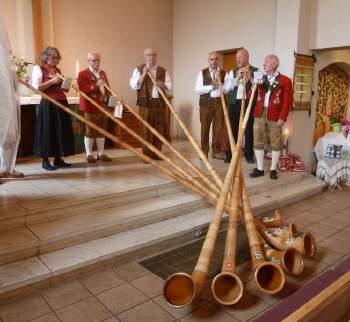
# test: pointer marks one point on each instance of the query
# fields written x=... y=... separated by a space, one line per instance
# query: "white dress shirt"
x=37 y=76
x=231 y=82
x=201 y=89
x=95 y=72
x=134 y=81
x=271 y=79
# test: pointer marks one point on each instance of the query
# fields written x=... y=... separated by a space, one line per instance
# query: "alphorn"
x=181 y=289
x=269 y=277
x=290 y=259
x=204 y=158
x=159 y=153
x=273 y=221
x=166 y=142
x=227 y=287
x=303 y=242
x=212 y=198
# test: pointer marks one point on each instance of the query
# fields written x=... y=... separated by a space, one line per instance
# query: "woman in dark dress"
x=54 y=132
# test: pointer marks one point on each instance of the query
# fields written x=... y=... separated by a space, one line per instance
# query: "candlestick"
x=285 y=140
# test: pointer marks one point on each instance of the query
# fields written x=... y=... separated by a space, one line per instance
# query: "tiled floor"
x=132 y=293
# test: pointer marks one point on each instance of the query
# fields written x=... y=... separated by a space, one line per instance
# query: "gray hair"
x=48 y=52
x=275 y=58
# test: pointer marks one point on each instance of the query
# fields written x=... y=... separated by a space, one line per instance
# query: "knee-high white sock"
x=259 y=155
x=100 y=142
x=89 y=144
x=275 y=158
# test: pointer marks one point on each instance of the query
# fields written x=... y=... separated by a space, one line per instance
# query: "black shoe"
x=273 y=174
x=227 y=160
x=59 y=163
x=250 y=159
x=47 y=166
x=257 y=173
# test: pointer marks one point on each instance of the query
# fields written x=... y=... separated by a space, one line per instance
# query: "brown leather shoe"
x=104 y=158
x=90 y=159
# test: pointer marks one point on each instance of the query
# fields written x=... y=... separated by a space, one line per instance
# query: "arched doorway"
x=332 y=97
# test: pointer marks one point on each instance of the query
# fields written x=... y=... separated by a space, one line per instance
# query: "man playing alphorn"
x=151 y=104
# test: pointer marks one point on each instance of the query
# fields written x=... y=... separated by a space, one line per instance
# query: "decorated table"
x=333 y=155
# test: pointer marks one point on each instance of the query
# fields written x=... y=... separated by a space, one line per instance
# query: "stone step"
x=58 y=233
x=92 y=223
x=129 y=244
x=40 y=211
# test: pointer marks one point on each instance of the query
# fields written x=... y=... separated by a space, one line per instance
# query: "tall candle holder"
x=285 y=141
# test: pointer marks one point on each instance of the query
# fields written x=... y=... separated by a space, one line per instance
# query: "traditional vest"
x=144 y=94
x=207 y=80
x=233 y=94
x=54 y=91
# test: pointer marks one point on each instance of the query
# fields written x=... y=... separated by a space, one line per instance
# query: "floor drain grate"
x=184 y=258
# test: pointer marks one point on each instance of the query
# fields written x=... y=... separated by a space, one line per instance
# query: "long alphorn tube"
x=204 y=158
x=227 y=287
x=139 y=138
x=269 y=277
x=212 y=198
x=181 y=289
x=188 y=162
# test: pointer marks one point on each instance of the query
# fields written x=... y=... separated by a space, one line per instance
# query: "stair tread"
x=40 y=267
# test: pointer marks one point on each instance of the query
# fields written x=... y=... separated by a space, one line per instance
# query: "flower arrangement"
x=21 y=67
x=272 y=87
x=346 y=127
x=334 y=118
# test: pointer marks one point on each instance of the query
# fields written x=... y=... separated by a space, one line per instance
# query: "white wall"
x=201 y=26
x=332 y=26
x=119 y=30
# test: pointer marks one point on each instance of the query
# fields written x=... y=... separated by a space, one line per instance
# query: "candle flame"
x=286 y=132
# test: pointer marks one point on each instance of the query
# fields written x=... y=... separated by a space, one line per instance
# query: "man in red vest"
x=91 y=81
x=274 y=101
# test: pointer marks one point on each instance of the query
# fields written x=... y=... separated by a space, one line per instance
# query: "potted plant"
x=334 y=120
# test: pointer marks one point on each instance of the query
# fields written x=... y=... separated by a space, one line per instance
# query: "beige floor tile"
x=24 y=310
x=89 y=310
x=322 y=229
x=327 y=256
x=336 y=245
x=151 y=285
x=65 y=294
x=131 y=271
x=343 y=236
x=121 y=298
x=337 y=223
x=113 y=319
x=179 y=312
x=248 y=307
x=51 y=317
x=146 y=312
x=101 y=281
x=210 y=312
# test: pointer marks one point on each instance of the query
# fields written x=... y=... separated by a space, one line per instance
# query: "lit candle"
x=285 y=139
x=77 y=68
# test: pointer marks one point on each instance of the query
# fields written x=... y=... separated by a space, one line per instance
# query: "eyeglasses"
x=94 y=60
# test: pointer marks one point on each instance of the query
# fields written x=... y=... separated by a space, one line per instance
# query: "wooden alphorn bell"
x=303 y=242
x=227 y=287
x=290 y=259
x=284 y=236
x=181 y=289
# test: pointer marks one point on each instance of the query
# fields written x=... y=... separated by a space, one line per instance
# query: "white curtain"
x=9 y=105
